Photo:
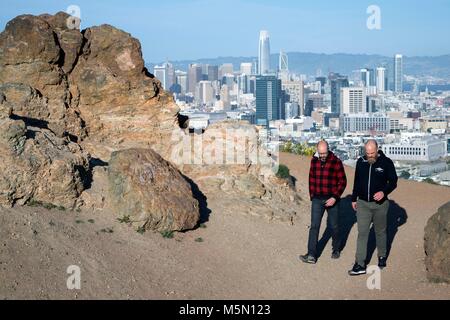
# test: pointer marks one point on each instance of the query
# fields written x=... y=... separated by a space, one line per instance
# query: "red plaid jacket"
x=327 y=179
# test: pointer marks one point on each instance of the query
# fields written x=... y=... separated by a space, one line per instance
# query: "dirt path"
x=240 y=257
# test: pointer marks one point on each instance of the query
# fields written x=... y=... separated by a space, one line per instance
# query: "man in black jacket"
x=375 y=178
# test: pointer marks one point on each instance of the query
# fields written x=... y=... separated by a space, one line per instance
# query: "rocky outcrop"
x=37 y=166
x=233 y=168
x=151 y=191
x=437 y=245
x=31 y=54
x=91 y=94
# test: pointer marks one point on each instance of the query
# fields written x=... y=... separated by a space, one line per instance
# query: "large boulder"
x=151 y=191
x=437 y=245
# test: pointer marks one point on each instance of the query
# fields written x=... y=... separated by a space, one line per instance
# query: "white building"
x=226 y=68
x=166 y=74
x=295 y=90
x=264 y=53
x=292 y=110
x=246 y=68
x=398 y=73
x=381 y=79
x=365 y=122
x=353 y=100
x=205 y=93
x=182 y=80
x=427 y=148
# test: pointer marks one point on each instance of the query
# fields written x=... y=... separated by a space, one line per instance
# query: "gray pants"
x=368 y=212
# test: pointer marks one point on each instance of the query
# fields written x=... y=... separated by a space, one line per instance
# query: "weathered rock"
x=38 y=166
x=151 y=191
x=70 y=39
x=93 y=86
x=110 y=71
x=31 y=54
x=437 y=245
x=231 y=166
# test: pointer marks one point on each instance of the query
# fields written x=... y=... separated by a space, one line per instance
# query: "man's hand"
x=354 y=206
x=378 y=196
x=330 y=202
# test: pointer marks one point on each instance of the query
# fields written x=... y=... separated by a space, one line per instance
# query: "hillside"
x=241 y=256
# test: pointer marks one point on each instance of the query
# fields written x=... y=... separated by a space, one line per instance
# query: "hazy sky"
x=192 y=29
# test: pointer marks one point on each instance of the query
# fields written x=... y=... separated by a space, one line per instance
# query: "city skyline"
x=323 y=27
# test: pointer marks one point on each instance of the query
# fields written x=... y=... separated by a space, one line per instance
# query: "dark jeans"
x=317 y=210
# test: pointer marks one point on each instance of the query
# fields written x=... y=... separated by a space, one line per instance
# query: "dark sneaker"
x=335 y=255
x=382 y=262
x=307 y=258
x=357 y=270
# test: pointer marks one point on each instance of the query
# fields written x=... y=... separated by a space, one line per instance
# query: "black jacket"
x=370 y=179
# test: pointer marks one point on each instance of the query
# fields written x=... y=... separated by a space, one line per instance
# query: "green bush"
x=167 y=234
x=141 y=230
x=283 y=172
x=429 y=180
x=405 y=175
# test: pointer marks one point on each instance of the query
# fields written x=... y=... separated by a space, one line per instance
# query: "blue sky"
x=193 y=29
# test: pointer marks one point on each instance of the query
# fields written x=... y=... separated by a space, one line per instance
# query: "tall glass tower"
x=269 y=100
x=398 y=73
x=337 y=82
x=264 y=53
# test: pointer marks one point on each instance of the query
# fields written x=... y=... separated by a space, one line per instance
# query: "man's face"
x=323 y=152
x=371 y=153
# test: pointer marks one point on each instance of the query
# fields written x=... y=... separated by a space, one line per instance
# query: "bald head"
x=371 y=148
x=322 y=146
x=322 y=150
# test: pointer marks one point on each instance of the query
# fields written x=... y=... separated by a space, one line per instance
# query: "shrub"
x=124 y=219
x=141 y=230
x=429 y=180
x=167 y=234
x=283 y=172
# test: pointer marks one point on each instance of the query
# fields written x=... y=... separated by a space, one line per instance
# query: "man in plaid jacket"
x=327 y=182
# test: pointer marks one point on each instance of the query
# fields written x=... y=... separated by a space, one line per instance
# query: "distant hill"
x=309 y=63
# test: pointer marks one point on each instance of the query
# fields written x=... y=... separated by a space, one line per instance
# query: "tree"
x=405 y=175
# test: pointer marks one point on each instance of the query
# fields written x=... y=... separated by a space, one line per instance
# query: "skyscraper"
x=381 y=80
x=295 y=91
x=368 y=77
x=264 y=53
x=246 y=67
x=213 y=73
x=283 y=67
x=337 y=82
x=226 y=68
x=204 y=93
x=194 y=77
x=398 y=73
x=268 y=99
x=353 y=100
x=166 y=74
x=182 y=80
x=283 y=62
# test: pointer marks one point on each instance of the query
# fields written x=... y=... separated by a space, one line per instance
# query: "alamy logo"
x=74 y=21
x=374 y=280
x=74 y=280
x=374 y=20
